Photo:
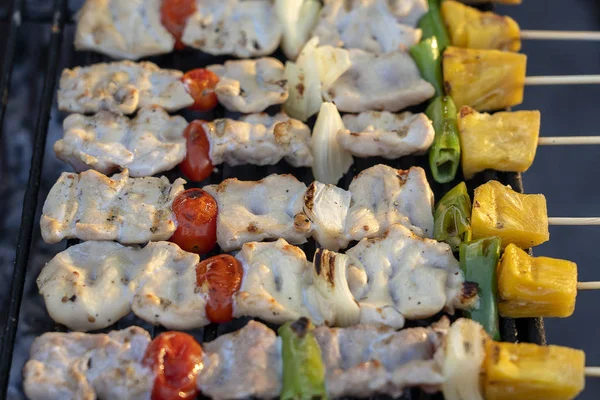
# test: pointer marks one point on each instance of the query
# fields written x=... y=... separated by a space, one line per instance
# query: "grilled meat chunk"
x=259 y=139
x=243 y=364
x=121 y=87
x=250 y=86
x=383 y=134
x=151 y=142
x=382 y=196
x=122 y=29
x=385 y=82
x=92 y=206
x=362 y=361
x=409 y=277
x=259 y=210
x=89 y=366
x=377 y=26
x=93 y=284
x=243 y=28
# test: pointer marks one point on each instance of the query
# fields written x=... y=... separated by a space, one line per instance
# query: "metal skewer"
x=560 y=35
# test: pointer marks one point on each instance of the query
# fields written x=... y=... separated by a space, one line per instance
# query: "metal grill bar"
x=9 y=56
x=31 y=195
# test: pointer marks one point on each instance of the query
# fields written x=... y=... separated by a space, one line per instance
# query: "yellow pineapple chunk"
x=486 y=80
x=505 y=141
x=535 y=286
x=526 y=371
x=468 y=27
x=514 y=217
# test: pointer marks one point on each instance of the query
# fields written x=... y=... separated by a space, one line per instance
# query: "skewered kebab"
x=384 y=281
x=459 y=360
x=92 y=206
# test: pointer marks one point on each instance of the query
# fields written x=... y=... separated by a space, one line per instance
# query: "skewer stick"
x=573 y=221
x=568 y=140
x=563 y=80
x=592 y=371
x=588 y=286
x=560 y=35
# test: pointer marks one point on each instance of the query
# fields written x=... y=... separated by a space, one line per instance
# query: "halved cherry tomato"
x=223 y=276
x=200 y=84
x=196 y=165
x=196 y=215
x=173 y=15
x=176 y=359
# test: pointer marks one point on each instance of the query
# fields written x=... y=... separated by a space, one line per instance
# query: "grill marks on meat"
x=250 y=86
x=122 y=29
x=242 y=364
x=259 y=139
x=94 y=284
x=243 y=28
x=383 y=134
x=377 y=26
x=363 y=361
x=382 y=196
x=382 y=82
x=151 y=142
x=89 y=366
x=252 y=211
x=408 y=277
x=121 y=87
x=92 y=206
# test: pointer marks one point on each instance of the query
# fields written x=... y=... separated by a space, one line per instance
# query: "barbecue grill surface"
x=43 y=19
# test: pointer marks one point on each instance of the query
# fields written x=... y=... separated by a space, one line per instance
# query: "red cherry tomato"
x=176 y=359
x=196 y=165
x=196 y=215
x=223 y=276
x=173 y=15
x=200 y=84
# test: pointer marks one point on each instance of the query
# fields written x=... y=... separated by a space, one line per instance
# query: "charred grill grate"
x=60 y=20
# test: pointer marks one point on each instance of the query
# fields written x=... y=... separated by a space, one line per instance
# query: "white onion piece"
x=331 y=161
x=464 y=351
x=298 y=18
x=315 y=70
x=326 y=206
x=330 y=287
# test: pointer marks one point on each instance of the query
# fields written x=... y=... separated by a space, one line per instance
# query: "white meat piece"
x=243 y=28
x=385 y=82
x=122 y=29
x=92 y=206
x=326 y=207
x=92 y=285
x=254 y=211
x=121 y=87
x=409 y=12
x=243 y=364
x=150 y=143
x=382 y=196
x=259 y=139
x=383 y=134
x=170 y=296
x=88 y=366
x=409 y=277
x=371 y=25
x=250 y=86
x=364 y=360
x=276 y=275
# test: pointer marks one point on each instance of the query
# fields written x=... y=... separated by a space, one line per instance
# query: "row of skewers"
x=236 y=213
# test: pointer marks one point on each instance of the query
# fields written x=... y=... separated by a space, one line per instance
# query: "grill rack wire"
x=58 y=18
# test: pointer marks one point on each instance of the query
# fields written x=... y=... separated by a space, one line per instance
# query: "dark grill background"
x=33 y=59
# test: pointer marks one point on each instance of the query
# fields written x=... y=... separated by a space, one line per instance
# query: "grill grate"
x=60 y=17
